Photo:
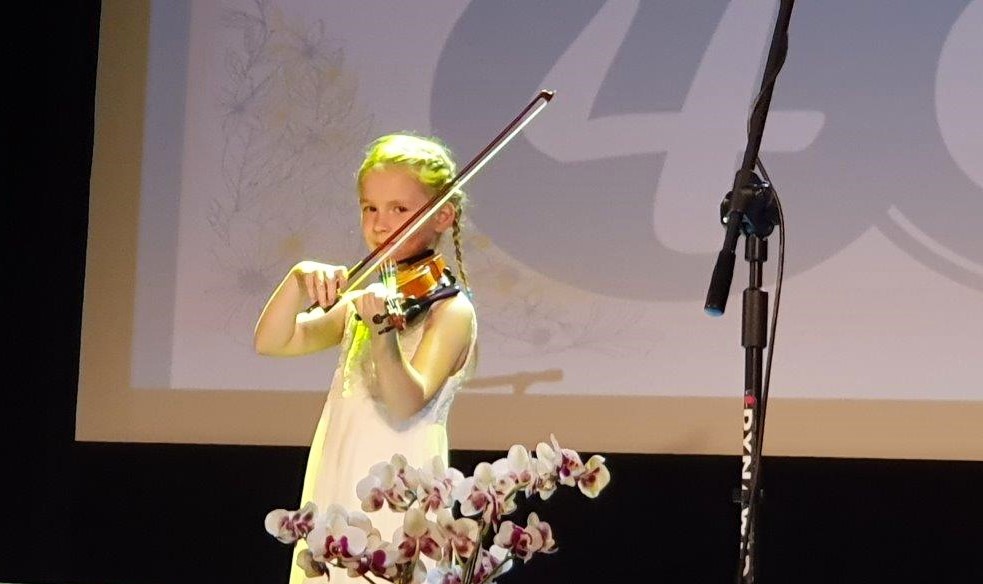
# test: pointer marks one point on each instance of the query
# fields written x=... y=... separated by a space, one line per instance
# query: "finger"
x=360 y=308
x=367 y=304
x=309 y=285
x=331 y=289
x=342 y=277
x=322 y=295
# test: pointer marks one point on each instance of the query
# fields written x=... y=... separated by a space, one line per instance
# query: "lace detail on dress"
x=358 y=336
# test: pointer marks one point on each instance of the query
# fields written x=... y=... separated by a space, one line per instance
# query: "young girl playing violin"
x=393 y=388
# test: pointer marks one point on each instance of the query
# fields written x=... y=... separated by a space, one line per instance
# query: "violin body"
x=417 y=283
x=417 y=277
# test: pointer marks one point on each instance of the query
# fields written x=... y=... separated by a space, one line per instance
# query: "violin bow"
x=367 y=265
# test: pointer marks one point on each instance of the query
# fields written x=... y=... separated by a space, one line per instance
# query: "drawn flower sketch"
x=292 y=132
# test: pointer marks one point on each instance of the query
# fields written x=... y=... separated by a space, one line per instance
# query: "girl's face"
x=389 y=197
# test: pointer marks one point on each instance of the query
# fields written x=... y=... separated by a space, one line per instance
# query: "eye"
x=368 y=208
x=401 y=209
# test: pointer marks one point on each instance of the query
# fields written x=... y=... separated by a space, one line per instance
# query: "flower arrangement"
x=476 y=546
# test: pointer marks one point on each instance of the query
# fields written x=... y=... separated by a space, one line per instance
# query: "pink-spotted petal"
x=595 y=478
x=354 y=541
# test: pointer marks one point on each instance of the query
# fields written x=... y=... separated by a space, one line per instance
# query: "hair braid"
x=456 y=232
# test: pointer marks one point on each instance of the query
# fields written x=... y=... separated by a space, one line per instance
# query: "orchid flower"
x=379 y=559
x=595 y=477
x=545 y=532
x=445 y=575
x=311 y=567
x=289 y=526
x=437 y=484
x=339 y=536
x=492 y=563
x=462 y=534
x=347 y=539
x=569 y=466
x=545 y=482
x=392 y=483
x=476 y=494
x=522 y=542
x=418 y=536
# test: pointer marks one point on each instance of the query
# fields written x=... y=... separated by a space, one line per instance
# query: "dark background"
x=148 y=513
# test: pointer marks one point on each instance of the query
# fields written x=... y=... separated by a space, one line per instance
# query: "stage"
x=81 y=511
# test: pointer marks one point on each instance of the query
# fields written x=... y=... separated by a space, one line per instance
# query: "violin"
x=416 y=283
x=418 y=277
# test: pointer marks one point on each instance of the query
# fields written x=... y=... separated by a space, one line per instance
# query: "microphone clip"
x=754 y=205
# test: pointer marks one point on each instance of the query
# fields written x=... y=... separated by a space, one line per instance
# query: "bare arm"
x=284 y=329
x=408 y=385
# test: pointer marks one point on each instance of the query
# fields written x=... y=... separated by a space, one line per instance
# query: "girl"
x=392 y=391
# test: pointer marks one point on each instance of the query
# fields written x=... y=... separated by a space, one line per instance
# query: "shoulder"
x=456 y=311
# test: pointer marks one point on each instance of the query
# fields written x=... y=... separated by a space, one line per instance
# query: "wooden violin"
x=416 y=283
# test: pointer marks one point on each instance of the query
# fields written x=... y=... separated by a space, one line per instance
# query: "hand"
x=322 y=282
x=370 y=304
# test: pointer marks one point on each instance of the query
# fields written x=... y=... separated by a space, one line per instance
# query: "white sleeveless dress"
x=355 y=431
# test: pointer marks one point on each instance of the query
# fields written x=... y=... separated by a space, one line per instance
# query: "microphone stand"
x=749 y=209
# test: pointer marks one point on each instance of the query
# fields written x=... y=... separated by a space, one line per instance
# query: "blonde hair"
x=435 y=168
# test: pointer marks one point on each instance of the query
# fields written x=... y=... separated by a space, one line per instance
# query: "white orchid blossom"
x=342 y=539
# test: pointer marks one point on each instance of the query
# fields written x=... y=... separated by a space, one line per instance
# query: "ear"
x=444 y=217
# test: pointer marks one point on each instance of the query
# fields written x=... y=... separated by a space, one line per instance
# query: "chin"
x=403 y=254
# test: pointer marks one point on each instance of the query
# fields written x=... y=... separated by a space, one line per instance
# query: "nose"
x=381 y=225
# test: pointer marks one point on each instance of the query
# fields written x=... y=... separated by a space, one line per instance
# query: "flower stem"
x=498 y=568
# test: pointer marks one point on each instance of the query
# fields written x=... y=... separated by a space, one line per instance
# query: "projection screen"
x=227 y=134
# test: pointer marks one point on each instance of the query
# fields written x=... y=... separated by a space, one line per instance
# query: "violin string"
x=389 y=280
